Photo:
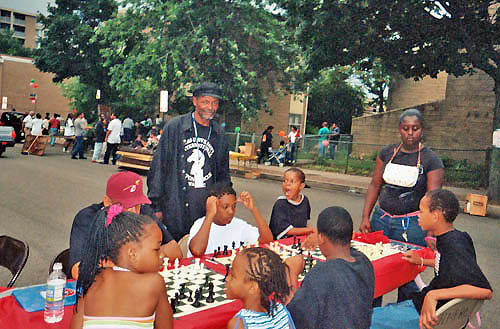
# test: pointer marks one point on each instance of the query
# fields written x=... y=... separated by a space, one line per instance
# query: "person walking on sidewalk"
x=112 y=138
x=80 y=127
x=69 y=132
x=54 y=125
x=403 y=173
x=266 y=142
x=100 y=134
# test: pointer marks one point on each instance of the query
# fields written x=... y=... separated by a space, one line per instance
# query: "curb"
x=492 y=211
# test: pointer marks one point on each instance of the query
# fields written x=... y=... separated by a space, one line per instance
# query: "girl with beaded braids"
x=107 y=295
x=258 y=277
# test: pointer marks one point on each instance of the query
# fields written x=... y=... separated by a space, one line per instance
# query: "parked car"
x=7 y=138
x=13 y=119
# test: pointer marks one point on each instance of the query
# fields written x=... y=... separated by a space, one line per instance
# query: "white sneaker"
x=64 y=149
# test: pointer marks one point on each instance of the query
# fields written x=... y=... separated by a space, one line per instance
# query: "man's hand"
x=428 y=318
x=246 y=199
x=211 y=206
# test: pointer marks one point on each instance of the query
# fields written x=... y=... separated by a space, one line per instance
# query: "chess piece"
x=225 y=253
x=190 y=299
x=227 y=272
x=182 y=291
x=207 y=280
x=215 y=254
x=196 y=302
x=242 y=243
x=210 y=298
x=294 y=241
x=173 y=303
x=233 y=245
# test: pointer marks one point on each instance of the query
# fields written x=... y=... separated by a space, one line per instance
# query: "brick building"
x=458 y=114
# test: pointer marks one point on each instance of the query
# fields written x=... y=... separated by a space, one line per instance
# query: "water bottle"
x=54 y=298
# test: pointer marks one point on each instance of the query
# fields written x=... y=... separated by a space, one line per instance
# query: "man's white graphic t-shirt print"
x=199 y=153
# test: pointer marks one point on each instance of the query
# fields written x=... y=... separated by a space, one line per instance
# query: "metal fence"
x=346 y=158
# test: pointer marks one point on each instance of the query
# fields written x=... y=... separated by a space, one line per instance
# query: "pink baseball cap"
x=126 y=188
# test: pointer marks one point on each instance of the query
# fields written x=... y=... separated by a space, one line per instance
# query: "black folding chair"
x=62 y=257
x=13 y=256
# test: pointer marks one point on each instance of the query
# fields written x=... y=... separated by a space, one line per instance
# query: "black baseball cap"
x=208 y=89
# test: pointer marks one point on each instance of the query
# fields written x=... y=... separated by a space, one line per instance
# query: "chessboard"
x=193 y=288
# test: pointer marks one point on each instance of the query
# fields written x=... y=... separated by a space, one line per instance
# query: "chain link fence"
x=328 y=155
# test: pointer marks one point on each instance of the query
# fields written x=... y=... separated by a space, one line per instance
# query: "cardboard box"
x=476 y=204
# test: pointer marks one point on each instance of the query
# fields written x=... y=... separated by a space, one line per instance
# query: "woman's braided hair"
x=270 y=272
x=104 y=244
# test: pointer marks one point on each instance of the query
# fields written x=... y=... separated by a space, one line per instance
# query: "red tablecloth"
x=390 y=273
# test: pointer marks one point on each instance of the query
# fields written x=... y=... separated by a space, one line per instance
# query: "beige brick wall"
x=408 y=92
x=15 y=76
x=461 y=120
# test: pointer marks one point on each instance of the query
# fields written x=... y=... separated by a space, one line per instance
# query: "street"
x=41 y=195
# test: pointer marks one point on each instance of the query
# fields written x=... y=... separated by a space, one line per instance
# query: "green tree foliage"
x=10 y=45
x=70 y=47
x=331 y=98
x=415 y=37
x=171 y=45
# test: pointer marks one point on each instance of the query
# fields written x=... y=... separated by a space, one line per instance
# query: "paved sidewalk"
x=340 y=182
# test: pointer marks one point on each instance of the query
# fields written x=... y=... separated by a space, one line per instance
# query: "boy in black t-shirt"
x=457 y=272
x=291 y=211
x=338 y=293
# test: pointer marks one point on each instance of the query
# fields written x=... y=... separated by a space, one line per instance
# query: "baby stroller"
x=277 y=157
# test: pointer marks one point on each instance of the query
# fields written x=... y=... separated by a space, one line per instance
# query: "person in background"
x=334 y=139
x=112 y=139
x=54 y=129
x=100 y=134
x=128 y=130
x=45 y=124
x=323 y=136
x=292 y=137
x=28 y=123
x=69 y=132
x=80 y=127
x=159 y=121
x=266 y=142
x=398 y=209
x=36 y=128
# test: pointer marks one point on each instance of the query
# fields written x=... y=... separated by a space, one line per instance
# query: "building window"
x=19 y=19
x=19 y=31
x=294 y=120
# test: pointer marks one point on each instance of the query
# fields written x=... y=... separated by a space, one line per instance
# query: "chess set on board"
x=193 y=287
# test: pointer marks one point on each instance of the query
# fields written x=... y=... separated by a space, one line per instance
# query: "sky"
x=28 y=6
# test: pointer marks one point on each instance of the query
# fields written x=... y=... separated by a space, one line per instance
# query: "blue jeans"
x=332 y=149
x=321 y=149
x=53 y=133
x=97 y=151
x=78 y=147
x=393 y=229
x=395 y=316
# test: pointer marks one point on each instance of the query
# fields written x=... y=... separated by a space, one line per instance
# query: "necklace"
x=196 y=135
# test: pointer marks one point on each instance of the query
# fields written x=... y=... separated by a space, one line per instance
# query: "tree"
x=331 y=98
x=171 y=45
x=70 y=47
x=10 y=45
x=376 y=78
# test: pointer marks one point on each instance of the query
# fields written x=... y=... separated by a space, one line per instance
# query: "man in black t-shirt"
x=336 y=294
x=192 y=155
x=123 y=188
x=457 y=272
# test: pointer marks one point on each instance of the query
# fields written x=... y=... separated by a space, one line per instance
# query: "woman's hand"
x=365 y=226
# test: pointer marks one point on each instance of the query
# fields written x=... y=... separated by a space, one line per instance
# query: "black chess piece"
x=182 y=292
x=225 y=252
x=299 y=244
x=200 y=293
x=210 y=287
x=242 y=243
x=210 y=298
x=215 y=253
x=173 y=303
x=227 y=271
x=294 y=241
x=190 y=299
x=207 y=280
x=233 y=245
x=218 y=250
x=196 y=302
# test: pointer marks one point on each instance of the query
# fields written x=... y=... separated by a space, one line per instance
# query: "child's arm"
x=295 y=267
x=77 y=319
x=171 y=250
x=199 y=242
x=428 y=313
x=412 y=257
x=265 y=234
x=300 y=231
x=163 y=313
